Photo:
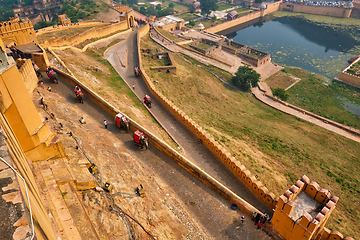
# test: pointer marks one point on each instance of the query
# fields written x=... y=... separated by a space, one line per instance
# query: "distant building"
x=169 y=23
x=154 y=4
x=63 y=19
x=232 y=15
x=196 y=6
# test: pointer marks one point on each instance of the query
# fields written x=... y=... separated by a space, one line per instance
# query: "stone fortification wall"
x=78 y=38
x=306 y=226
x=42 y=224
x=349 y=78
x=27 y=72
x=319 y=10
x=238 y=169
x=89 y=23
x=272 y=7
x=163 y=147
x=19 y=32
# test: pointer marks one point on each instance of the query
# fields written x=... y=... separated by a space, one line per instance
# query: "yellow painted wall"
x=18 y=32
x=42 y=223
x=28 y=74
x=31 y=131
x=78 y=38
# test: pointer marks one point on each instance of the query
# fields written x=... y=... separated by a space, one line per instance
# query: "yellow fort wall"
x=349 y=78
x=31 y=131
x=42 y=224
x=91 y=33
x=17 y=31
x=28 y=74
x=235 y=166
x=272 y=7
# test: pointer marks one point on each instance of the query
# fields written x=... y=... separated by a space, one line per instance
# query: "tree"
x=258 y=1
x=143 y=10
x=213 y=18
x=171 y=5
x=151 y=11
x=281 y=93
x=245 y=78
x=207 y=6
x=192 y=23
x=158 y=7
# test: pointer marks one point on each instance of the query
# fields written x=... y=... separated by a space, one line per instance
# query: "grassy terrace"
x=187 y=16
x=207 y=23
x=169 y=35
x=326 y=101
x=203 y=46
x=277 y=147
x=223 y=6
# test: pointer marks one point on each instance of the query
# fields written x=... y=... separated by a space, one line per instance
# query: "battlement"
x=15 y=24
x=302 y=211
x=19 y=31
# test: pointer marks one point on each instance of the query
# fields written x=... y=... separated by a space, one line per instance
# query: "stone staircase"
x=59 y=182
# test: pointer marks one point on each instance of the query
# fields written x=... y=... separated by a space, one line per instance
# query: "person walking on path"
x=105 y=124
x=134 y=86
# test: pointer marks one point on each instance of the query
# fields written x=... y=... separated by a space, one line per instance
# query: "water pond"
x=293 y=42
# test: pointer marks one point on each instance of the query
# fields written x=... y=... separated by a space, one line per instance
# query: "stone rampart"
x=318 y=10
x=19 y=32
x=27 y=72
x=305 y=224
x=238 y=169
x=78 y=38
x=89 y=23
x=272 y=7
x=349 y=78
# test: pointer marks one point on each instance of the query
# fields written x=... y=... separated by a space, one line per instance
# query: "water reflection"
x=293 y=42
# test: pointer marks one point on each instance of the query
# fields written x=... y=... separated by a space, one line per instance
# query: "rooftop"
x=305 y=204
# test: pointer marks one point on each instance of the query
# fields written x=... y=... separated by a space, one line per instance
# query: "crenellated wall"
x=235 y=166
x=272 y=7
x=18 y=31
x=307 y=226
x=28 y=74
x=78 y=38
x=349 y=78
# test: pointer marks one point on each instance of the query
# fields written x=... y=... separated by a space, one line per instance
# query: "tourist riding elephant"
x=52 y=75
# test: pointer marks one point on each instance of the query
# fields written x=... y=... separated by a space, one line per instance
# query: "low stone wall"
x=325 y=120
x=163 y=147
x=214 y=46
x=171 y=68
x=235 y=166
x=78 y=38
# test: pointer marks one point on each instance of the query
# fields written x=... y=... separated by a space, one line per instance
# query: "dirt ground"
x=94 y=74
x=160 y=212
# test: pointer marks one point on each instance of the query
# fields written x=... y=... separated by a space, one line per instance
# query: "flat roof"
x=28 y=48
x=304 y=203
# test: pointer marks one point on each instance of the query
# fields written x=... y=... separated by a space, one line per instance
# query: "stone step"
x=53 y=193
x=60 y=171
x=77 y=211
